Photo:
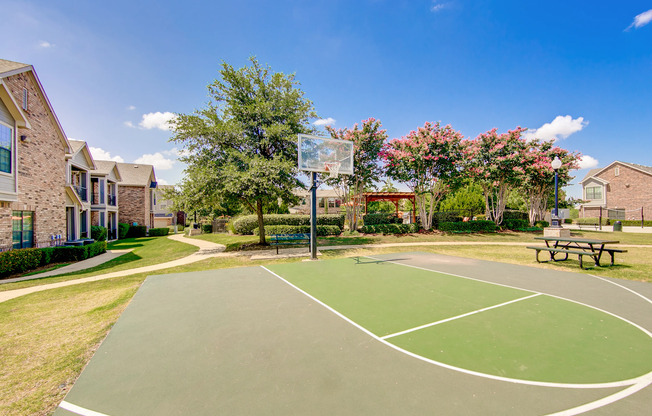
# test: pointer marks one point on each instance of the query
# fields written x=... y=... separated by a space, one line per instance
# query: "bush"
x=123 y=230
x=157 y=232
x=322 y=230
x=541 y=224
x=136 y=231
x=248 y=223
x=47 y=255
x=18 y=261
x=67 y=254
x=568 y=221
x=589 y=220
x=635 y=223
x=390 y=228
x=207 y=228
x=515 y=224
x=468 y=227
x=515 y=215
x=381 y=218
x=98 y=233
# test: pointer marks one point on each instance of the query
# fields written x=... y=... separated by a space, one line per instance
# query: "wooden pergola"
x=393 y=197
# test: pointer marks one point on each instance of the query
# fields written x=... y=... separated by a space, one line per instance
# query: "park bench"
x=578 y=246
x=278 y=240
x=596 y=226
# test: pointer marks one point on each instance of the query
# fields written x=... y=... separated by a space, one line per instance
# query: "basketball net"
x=333 y=169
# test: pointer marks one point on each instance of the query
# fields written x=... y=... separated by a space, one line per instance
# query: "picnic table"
x=594 y=248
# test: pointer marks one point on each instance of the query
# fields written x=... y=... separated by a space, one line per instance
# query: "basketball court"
x=408 y=333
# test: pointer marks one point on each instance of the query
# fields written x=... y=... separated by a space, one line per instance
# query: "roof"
x=593 y=172
x=136 y=174
x=10 y=67
x=104 y=167
x=80 y=146
x=76 y=145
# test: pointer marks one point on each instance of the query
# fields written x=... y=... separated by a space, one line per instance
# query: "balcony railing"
x=112 y=200
x=82 y=192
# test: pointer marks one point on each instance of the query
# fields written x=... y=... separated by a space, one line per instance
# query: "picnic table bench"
x=593 y=248
x=289 y=239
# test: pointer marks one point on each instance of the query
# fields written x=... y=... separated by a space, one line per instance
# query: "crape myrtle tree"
x=368 y=140
x=429 y=162
x=495 y=162
x=538 y=179
x=242 y=145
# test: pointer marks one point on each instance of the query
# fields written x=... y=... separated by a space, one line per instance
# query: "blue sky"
x=578 y=71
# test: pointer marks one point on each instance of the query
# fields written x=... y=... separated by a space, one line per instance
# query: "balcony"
x=82 y=192
x=112 y=200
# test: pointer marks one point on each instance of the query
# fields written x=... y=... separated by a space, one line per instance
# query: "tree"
x=242 y=146
x=495 y=162
x=538 y=181
x=428 y=161
x=367 y=141
x=468 y=200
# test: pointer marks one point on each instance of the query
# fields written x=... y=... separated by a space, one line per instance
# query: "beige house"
x=104 y=196
x=33 y=166
x=79 y=163
x=163 y=214
x=620 y=190
x=327 y=202
x=136 y=193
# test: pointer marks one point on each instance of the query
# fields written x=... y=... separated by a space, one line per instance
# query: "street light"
x=556 y=164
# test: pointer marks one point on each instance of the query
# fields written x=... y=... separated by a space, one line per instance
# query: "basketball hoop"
x=333 y=169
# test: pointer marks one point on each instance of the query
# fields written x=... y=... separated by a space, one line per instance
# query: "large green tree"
x=242 y=145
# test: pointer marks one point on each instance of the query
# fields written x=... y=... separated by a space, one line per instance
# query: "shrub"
x=98 y=233
x=156 y=232
x=207 y=228
x=136 y=231
x=541 y=224
x=67 y=254
x=18 y=261
x=47 y=255
x=515 y=224
x=589 y=220
x=444 y=216
x=635 y=223
x=390 y=228
x=568 y=221
x=322 y=230
x=249 y=223
x=381 y=218
x=123 y=230
x=468 y=227
x=515 y=215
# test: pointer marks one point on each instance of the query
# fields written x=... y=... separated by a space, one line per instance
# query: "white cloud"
x=157 y=159
x=587 y=162
x=157 y=120
x=130 y=124
x=560 y=128
x=641 y=20
x=324 y=121
x=436 y=6
x=101 y=154
x=46 y=44
x=131 y=108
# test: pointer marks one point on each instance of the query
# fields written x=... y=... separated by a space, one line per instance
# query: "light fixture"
x=24 y=139
x=556 y=164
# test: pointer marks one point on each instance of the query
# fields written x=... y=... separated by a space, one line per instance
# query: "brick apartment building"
x=620 y=190
x=136 y=193
x=33 y=148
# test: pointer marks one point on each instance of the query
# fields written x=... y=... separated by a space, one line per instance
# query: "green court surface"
x=401 y=334
x=536 y=337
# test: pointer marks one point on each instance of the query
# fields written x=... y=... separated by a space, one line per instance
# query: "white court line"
x=79 y=410
x=407 y=331
x=621 y=383
x=622 y=287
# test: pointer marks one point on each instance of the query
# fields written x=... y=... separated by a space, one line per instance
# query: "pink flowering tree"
x=428 y=161
x=368 y=140
x=538 y=181
x=496 y=162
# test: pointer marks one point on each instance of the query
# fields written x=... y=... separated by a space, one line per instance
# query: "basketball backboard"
x=317 y=152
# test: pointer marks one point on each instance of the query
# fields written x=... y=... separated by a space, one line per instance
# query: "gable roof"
x=80 y=146
x=104 y=167
x=594 y=172
x=13 y=107
x=9 y=68
x=136 y=174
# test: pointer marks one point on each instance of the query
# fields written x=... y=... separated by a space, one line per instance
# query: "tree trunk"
x=261 y=223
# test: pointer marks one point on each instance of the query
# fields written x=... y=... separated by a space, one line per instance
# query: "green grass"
x=576 y=346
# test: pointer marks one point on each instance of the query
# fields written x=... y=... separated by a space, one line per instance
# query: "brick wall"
x=133 y=205
x=41 y=169
x=630 y=190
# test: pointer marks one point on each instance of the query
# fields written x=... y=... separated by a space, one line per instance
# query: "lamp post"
x=556 y=164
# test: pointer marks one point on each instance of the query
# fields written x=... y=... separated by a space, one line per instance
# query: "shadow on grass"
x=341 y=241
x=129 y=243
x=124 y=259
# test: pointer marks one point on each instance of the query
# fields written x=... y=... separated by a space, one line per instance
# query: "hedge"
x=322 y=230
x=136 y=231
x=207 y=228
x=468 y=227
x=381 y=218
x=156 y=232
x=19 y=261
x=635 y=223
x=98 y=233
x=248 y=223
x=588 y=220
x=390 y=229
x=123 y=230
x=515 y=224
x=541 y=224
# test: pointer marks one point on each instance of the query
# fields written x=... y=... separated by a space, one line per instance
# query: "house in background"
x=78 y=196
x=33 y=167
x=104 y=196
x=163 y=214
x=619 y=191
x=136 y=193
x=327 y=202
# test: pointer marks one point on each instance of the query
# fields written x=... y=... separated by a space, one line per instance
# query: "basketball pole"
x=313 y=218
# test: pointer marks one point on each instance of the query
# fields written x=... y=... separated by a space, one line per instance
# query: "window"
x=25 y=97
x=102 y=219
x=6 y=140
x=22 y=229
x=594 y=192
x=101 y=191
x=617 y=171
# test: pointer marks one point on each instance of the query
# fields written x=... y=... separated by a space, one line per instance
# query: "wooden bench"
x=596 y=226
x=289 y=240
